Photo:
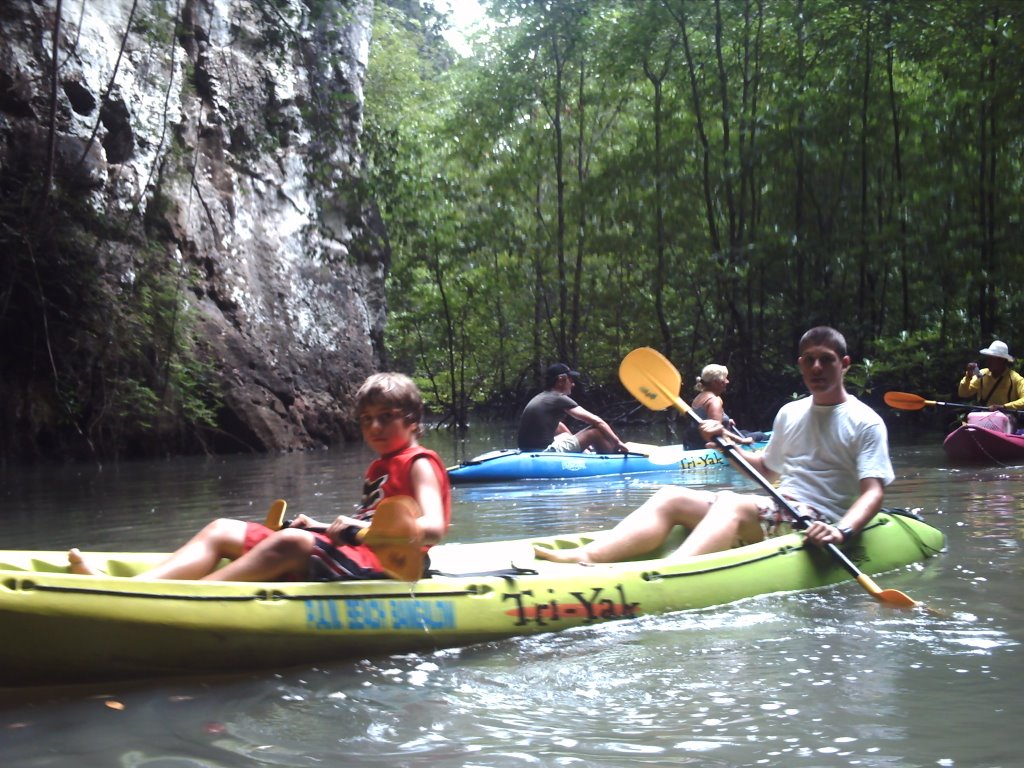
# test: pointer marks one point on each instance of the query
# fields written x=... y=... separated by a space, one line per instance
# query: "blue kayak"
x=511 y=464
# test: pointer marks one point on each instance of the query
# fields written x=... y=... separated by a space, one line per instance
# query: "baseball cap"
x=558 y=369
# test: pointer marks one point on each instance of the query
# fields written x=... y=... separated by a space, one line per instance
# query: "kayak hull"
x=972 y=444
x=61 y=628
x=511 y=464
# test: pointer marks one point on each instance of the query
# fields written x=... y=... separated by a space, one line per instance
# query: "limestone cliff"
x=213 y=144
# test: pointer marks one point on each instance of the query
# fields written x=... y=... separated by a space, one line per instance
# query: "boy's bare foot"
x=561 y=555
x=79 y=565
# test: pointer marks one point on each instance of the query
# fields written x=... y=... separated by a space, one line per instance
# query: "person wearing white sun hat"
x=993 y=384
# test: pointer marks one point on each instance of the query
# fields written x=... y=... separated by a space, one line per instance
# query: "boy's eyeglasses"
x=824 y=360
x=384 y=418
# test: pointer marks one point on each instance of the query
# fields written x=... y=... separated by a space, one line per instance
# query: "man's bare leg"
x=596 y=440
x=732 y=516
x=642 y=530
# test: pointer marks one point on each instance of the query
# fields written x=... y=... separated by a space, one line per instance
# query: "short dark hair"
x=825 y=336
x=392 y=390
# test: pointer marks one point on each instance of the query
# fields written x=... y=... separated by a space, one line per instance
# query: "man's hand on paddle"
x=821 y=533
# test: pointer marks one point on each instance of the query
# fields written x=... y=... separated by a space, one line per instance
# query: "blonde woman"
x=708 y=404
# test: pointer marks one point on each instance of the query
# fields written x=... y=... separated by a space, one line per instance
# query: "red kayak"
x=973 y=444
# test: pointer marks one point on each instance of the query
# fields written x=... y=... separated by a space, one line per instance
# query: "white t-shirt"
x=822 y=452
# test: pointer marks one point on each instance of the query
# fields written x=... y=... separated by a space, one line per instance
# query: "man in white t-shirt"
x=829 y=451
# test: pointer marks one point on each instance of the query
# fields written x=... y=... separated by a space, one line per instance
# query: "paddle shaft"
x=962 y=406
x=905 y=401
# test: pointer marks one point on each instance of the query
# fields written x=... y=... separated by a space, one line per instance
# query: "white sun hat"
x=998 y=349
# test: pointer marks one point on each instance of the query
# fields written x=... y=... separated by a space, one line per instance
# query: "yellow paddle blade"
x=651 y=379
x=904 y=401
x=391 y=536
x=275 y=517
x=890 y=596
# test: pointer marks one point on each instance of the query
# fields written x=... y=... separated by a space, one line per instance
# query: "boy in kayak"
x=541 y=427
x=830 y=452
x=389 y=408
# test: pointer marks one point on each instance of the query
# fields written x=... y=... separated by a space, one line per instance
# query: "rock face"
x=222 y=136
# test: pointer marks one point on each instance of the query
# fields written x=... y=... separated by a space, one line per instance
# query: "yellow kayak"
x=59 y=627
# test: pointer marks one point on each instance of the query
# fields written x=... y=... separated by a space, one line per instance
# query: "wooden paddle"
x=655 y=382
x=904 y=401
x=391 y=535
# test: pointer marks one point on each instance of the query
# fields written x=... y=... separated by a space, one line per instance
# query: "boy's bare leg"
x=223 y=538
x=283 y=554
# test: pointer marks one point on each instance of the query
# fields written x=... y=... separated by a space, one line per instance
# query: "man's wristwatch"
x=846 y=531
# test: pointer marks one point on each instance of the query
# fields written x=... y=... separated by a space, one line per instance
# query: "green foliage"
x=98 y=342
x=159 y=375
x=710 y=178
x=922 y=362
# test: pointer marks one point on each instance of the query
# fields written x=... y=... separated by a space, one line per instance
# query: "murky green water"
x=823 y=679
